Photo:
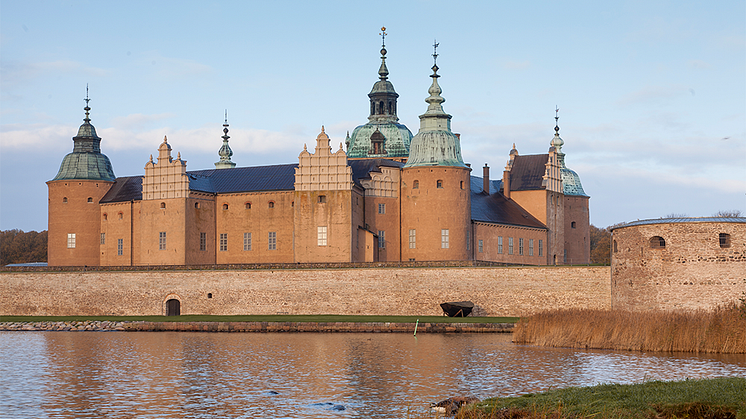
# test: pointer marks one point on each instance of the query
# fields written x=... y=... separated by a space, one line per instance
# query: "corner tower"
x=436 y=203
x=383 y=136
x=84 y=177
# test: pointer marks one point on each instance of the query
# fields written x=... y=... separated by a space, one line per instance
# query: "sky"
x=651 y=94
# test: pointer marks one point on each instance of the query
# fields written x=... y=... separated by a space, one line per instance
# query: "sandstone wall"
x=496 y=291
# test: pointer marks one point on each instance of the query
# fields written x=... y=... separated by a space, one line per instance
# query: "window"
x=510 y=245
x=572 y=224
x=444 y=238
x=272 y=240
x=439 y=184
x=415 y=185
x=657 y=242
x=120 y=247
x=321 y=235
x=196 y=205
x=724 y=240
x=71 y=240
x=481 y=246
x=412 y=239
x=225 y=207
x=223 y=242
x=103 y=238
x=163 y=205
x=64 y=200
x=530 y=247
x=520 y=246
x=461 y=184
x=381 y=239
x=615 y=249
x=90 y=199
x=247 y=205
x=106 y=216
x=247 y=241
x=202 y=241
x=468 y=240
x=500 y=244
x=162 y=240
x=322 y=199
x=541 y=247
x=121 y=215
x=564 y=257
x=382 y=208
x=271 y=204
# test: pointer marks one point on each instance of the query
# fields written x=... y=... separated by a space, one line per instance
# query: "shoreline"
x=255 y=327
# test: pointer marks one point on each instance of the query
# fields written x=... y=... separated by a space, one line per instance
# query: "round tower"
x=436 y=200
x=85 y=175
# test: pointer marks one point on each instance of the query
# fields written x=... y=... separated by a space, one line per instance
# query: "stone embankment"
x=349 y=327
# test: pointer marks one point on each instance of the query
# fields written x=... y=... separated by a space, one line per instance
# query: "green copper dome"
x=435 y=144
x=86 y=161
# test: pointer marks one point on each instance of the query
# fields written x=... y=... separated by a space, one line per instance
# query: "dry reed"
x=722 y=330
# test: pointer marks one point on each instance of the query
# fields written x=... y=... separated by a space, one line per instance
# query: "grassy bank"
x=330 y=318
x=712 y=399
x=719 y=331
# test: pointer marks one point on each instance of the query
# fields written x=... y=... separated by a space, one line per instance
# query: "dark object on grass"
x=452 y=405
x=457 y=308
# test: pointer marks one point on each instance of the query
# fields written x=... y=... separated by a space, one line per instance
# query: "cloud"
x=36 y=136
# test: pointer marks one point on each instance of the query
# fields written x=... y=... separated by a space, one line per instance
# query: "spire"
x=383 y=72
x=87 y=108
x=225 y=151
x=383 y=96
x=435 y=100
x=557 y=142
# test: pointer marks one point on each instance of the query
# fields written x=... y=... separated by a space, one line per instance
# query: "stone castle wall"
x=690 y=270
x=496 y=291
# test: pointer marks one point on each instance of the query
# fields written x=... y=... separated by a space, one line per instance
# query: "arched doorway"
x=173 y=307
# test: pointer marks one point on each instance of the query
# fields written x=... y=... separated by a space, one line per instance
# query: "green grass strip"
x=681 y=399
x=324 y=318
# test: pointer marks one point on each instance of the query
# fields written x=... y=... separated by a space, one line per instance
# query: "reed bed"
x=722 y=330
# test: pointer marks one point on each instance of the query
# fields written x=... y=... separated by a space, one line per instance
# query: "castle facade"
x=384 y=196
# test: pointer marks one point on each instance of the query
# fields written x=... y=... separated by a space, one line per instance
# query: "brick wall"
x=496 y=291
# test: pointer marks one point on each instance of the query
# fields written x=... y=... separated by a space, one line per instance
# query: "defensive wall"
x=495 y=291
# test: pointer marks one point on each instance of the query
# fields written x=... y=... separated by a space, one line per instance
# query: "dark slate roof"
x=495 y=208
x=683 y=220
x=124 y=189
x=527 y=172
x=279 y=177
x=362 y=168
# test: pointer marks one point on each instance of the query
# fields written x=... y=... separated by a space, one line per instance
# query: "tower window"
x=196 y=205
x=461 y=184
x=247 y=205
x=657 y=242
x=106 y=217
x=202 y=241
x=415 y=185
x=322 y=199
x=121 y=215
x=64 y=200
x=382 y=208
x=163 y=205
x=271 y=204
x=90 y=199
x=381 y=239
x=225 y=207
x=724 y=240
x=572 y=224
x=439 y=184
x=103 y=238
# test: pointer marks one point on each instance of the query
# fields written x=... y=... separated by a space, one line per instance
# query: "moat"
x=300 y=375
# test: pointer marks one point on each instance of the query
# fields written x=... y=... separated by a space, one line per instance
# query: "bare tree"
x=728 y=214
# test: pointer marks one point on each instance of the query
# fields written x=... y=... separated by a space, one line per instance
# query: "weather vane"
x=383 y=35
x=435 y=52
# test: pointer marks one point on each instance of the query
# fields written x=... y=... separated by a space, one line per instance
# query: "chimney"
x=506 y=183
x=486 y=179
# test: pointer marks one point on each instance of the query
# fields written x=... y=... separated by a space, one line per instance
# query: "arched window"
x=225 y=207
x=572 y=224
x=416 y=184
x=90 y=199
x=271 y=204
x=163 y=205
x=439 y=184
x=657 y=242
x=461 y=184
x=196 y=205
x=615 y=246
x=64 y=200
x=121 y=215
x=380 y=108
x=724 y=240
x=106 y=216
x=247 y=205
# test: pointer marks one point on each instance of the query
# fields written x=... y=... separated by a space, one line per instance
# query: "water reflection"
x=307 y=375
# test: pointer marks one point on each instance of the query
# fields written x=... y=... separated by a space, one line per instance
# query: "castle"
x=388 y=196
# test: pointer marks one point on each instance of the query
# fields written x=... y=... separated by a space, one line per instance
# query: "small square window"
x=271 y=204
x=415 y=185
x=724 y=239
x=439 y=184
x=322 y=199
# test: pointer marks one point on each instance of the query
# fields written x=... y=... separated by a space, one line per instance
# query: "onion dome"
x=86 y=161
x=570 y=180
x=435 y=144
x=382 y=119
x=225 y=151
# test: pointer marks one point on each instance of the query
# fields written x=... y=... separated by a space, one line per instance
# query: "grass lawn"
x=708 y=398
x=329 y=318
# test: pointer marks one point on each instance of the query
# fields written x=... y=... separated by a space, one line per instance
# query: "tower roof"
x=435 y=144
x=86 y=161
x=225 y=151
x=570 y=180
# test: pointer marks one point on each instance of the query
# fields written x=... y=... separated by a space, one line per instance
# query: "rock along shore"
x=260 y=327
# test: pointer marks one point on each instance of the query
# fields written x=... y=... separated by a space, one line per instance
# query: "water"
x=302 y=375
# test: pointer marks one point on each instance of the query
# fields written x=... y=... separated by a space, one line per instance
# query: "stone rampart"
x=496 y=291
